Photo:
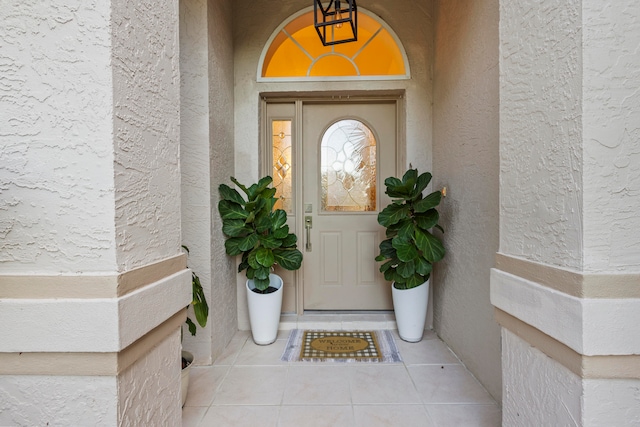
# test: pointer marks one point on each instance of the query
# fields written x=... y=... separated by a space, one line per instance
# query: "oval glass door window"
x=348 y=168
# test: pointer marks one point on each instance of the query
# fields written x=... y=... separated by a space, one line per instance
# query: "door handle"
x=307 y=225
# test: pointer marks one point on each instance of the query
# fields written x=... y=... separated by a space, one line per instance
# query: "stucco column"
x=93 y=284
x=565 y=286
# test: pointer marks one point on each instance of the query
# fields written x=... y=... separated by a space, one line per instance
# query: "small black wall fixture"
x=337 y=23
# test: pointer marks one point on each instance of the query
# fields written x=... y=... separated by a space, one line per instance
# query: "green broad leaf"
x=400 y=284
x=261 y=284
x=423 y=267
x=232 y=246
x=243 y=266
x=262 y=273
x=270 y=203
x=401 y=189
x=270 y=241
x=231 y=194
x=256 y=189
x=251 y=259
x=248 y=242
x=199 y=303
x=421 y=183
x=265 y=257
x=390 y=275
x=386 y=250
x=250 y=219
x=191 y=326
x=289 y=259
x=427 y=219
x=263 y=223
x=392 y=214
x=405 y=232
x=242 y=187
x=387 y=265
x=251 y=272
x=231 y=210
x=234 y=228
x=202 y=312
x=257 y=207
x=406 y=251
x=289 y=241
x=409 y=178
x=381 y=258
x=432 y=249
x=406 y=269
x=268 y=193
x=429 y=202
x=415 y=281
x=278 y=219
x=392 y=183
x=281 y=232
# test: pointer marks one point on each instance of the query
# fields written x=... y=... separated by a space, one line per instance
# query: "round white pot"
x=410 y=306
x=264 y=311
x=184 y=386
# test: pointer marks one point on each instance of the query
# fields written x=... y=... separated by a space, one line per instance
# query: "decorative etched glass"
x=348 y=168
x=282 y=179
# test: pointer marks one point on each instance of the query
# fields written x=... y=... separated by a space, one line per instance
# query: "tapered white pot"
x=410 y=306
x=184 y=385
x=264 y=311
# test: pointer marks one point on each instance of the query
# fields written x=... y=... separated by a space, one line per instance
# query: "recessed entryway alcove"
x=451 y=55
x=448 y=125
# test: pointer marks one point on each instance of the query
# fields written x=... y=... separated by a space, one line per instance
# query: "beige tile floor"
x=250 y=386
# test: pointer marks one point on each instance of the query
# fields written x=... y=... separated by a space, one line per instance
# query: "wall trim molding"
x=581 y=285
x=89 y=364
x=586 y=367
x=88 y=286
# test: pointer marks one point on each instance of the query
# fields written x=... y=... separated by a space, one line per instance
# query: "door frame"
x=300 y=98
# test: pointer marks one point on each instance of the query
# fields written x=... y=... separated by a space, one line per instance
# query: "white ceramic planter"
x=184 y=386
x=410 y=306
x=264 y=311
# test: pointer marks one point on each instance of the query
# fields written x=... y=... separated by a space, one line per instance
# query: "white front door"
x=348 y=149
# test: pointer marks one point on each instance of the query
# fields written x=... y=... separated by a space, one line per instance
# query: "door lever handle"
x=307 y=225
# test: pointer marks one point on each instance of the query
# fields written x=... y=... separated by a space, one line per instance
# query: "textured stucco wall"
x=146 y=87
x=611 y=120
x=253 y=24
x=570 y=178
x=149 y=390
x=58 y=401
x=538 y=391
x=206 y=67
x=224 y=313
x=609 y=402
x=194 y=157
x=69 y=70
x=541 y=131
x=466 y=162
x=90 y=185
x=56 y=138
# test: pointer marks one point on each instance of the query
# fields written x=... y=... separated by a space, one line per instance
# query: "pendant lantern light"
x=337 y=22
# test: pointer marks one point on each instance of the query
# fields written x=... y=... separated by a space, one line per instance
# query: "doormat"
x=341 y=346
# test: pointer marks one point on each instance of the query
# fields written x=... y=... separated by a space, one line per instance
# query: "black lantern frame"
x=336 y=13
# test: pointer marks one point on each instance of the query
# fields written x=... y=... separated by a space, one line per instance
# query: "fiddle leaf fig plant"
x=256 y=231
x=410 y=249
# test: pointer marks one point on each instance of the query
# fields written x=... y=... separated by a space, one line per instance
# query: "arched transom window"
x=295 y=52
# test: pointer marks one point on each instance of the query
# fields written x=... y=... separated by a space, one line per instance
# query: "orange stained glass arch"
x=296 y=52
